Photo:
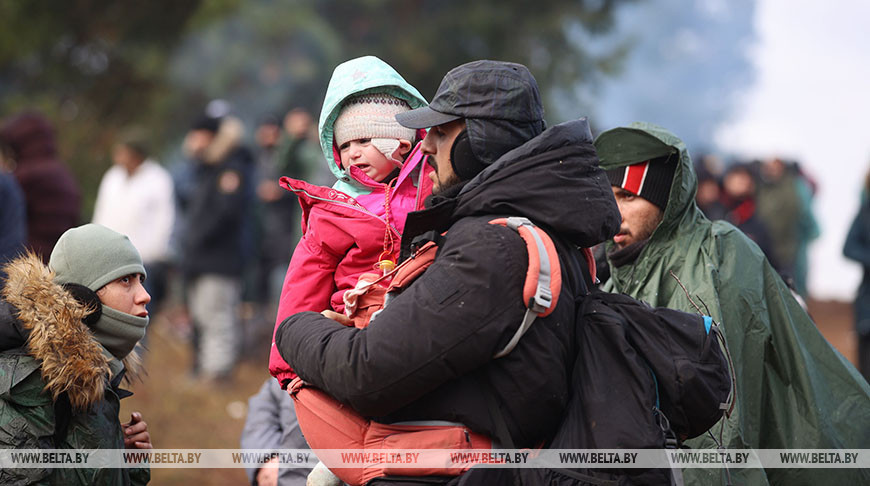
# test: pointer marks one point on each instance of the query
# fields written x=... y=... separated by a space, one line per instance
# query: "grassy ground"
x=836 y=321
x=182 y=413
x=185 y=414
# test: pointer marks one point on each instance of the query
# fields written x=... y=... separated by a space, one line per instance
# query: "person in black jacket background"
x=214 y=239
x=857 y=248
x=429 y=354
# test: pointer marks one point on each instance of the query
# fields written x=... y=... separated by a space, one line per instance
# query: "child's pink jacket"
x=342 y=238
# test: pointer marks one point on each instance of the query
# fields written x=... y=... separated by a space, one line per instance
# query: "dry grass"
x=837 y=324
x=185 y=414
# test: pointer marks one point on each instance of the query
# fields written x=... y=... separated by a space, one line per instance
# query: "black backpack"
x=680 y=349
x=643 y=378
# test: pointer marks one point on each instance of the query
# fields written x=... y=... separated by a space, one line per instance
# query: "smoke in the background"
x=258 y=64
x=688 y=61
x=810 y=102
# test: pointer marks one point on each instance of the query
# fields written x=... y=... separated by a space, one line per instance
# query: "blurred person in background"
x=135 y=198
x=213 y=240
x=13 y=217
x=857 y=248
x=291 y=149
x=51 y=193
x=276 y=231
x=709 y=197
x=301 y=155
x=785 y=208
x=285 y=148
x=271 y=424
x=738 y=202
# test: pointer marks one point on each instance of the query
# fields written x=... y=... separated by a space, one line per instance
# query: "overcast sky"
x=810 y=100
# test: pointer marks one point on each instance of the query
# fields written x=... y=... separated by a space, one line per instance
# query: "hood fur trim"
x=71 y=360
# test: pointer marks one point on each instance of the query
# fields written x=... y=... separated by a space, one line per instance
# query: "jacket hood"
x=554 y=180
x=641 y=141
x=358 y=76
x=70 y=359
x=29 y=135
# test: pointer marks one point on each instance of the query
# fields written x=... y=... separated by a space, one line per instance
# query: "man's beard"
x=442 y=185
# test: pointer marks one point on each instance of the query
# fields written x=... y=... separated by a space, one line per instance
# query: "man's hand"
x=267 y=475
x=339 y=318
x=136 y=434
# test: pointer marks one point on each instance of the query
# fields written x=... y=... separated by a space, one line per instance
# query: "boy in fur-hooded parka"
x=67 y=333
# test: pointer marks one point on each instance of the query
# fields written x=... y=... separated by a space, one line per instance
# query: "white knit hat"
x=371 y=116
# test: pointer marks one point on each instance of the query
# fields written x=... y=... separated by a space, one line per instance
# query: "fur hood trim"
x=71 y=360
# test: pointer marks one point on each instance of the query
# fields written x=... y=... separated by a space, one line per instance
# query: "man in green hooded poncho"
x=793 y=389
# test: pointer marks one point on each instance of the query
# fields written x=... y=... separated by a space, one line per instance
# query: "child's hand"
x=267 y=475
x=339 y=318
x=136 y=434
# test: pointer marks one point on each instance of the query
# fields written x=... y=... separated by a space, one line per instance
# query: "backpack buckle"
x=542 y=299
x=514 y=222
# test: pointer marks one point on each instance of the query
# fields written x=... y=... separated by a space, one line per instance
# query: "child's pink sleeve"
x=308 y=286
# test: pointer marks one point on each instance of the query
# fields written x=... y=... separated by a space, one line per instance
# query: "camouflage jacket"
x=60 y=388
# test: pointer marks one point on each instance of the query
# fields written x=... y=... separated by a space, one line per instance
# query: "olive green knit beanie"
x=93 y=255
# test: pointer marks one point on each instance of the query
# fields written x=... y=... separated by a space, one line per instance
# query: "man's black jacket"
x=215 y=236
x=428 y=355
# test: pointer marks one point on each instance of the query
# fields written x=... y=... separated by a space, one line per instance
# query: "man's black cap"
x=499 y=101
x=482 y=90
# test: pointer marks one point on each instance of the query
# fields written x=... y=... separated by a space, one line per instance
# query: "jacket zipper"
x=350 y=206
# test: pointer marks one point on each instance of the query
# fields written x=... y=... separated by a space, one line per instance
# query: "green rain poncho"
x=794 y=390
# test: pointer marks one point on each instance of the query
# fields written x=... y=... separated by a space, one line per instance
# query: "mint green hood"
x=362 y=75
x=794 y=390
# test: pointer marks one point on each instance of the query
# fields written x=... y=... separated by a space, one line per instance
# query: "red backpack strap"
x=543 y=278
x=411 y=268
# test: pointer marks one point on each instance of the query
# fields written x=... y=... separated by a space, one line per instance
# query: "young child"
x=355 y=226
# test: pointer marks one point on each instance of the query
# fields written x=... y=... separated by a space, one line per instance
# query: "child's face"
x=365 y=156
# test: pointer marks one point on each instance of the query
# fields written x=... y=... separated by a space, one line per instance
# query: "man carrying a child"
x=429 y=355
